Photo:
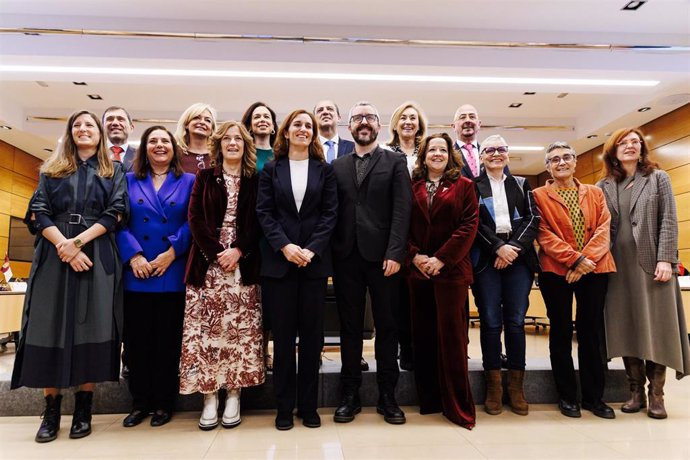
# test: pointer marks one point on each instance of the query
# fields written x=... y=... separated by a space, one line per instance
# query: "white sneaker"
x=209 y=415
x=231 y=415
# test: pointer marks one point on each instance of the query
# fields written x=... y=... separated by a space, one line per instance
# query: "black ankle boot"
x=81 y=421
x=51 y=420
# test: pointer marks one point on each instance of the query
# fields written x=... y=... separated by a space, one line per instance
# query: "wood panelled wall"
x=18 y=180
x=669 y=144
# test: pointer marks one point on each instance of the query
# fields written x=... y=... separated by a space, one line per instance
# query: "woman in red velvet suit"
x=443 y=226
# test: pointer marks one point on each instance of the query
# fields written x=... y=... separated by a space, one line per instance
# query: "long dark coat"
x=72 y=322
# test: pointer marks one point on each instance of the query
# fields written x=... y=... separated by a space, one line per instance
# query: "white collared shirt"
x=110 y=151
x=501 y=211
x=336 y=142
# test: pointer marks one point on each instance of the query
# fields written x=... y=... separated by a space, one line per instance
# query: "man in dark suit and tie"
x=374 y=196
x=467 y=124
x=327 y=115
x=118 y=126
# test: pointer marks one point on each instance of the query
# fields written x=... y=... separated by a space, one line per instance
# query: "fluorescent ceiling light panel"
x=525 y=148
x=325 y=76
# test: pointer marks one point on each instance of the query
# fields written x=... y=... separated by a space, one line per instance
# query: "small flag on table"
x=6 y=270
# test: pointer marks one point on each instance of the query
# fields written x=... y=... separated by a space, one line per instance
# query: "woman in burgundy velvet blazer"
x=206 y=218
x=443 y=226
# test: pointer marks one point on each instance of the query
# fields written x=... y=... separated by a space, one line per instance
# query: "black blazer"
x=374 y=217
x=524 y=222
x=345 y=147
x=310 y=228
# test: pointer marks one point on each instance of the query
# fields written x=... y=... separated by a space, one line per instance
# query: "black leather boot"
x=81 y=421
x=50 y=425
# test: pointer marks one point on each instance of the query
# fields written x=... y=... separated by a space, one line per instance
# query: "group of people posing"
x=196 y=245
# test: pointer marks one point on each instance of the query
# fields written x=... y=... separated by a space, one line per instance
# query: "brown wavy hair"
x=249 y=154
x=612 y=167
x=63 y=162
x=453 y=167
x=141 y=165
x=282 y=147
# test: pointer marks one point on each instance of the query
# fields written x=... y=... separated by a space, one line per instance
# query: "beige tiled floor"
x=543 y=434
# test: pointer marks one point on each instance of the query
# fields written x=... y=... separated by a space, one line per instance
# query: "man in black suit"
x=374 y=196
x=118 y=126
x=327 y=115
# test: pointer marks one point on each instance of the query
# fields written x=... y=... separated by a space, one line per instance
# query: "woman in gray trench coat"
x=73 y=308
x=644 y=310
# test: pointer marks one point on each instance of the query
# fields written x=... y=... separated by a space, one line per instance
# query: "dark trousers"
x=590 y=294
x=503 y=299
x=154 y=340
x=297 y=306
x=402 y=317
x=352 y=276
x=440 y=351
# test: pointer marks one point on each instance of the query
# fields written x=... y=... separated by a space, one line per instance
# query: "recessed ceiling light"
x=325 y=76
x=607 y=134
x=42 y=84
x=79 y=83
x=95 y=97
x=529 y=93
x=562 y=95
x=644 y=109
x=592 y=136
x=515 y=105
x=633 y=5
x=48 y=150
x=5 y=127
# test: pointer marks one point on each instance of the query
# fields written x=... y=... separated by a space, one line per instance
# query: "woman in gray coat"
x=644 y=310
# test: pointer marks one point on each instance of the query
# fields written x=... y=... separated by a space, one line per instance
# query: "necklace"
x=228 y=173
x=163 y=174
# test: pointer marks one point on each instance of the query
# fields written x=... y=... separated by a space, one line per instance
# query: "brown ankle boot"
x=493 y=404
x=656 y=373
x=635 y=370
x=518 y=403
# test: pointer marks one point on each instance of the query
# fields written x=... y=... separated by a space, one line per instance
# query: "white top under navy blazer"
x=157 y=221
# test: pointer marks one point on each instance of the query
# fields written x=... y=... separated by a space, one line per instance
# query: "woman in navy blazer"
x=154 y=247
x=297 y=209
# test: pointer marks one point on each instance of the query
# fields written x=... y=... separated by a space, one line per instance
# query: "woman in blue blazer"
x=297 y=209
x=154 y=248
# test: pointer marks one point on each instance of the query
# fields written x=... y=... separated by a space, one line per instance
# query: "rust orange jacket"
x=558 y=248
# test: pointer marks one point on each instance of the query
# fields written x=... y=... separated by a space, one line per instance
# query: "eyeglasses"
x=370 y=117
x=495 y=151
x=631 y=142
x=568 y=157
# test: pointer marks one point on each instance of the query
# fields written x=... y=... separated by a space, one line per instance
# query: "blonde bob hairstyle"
x=395 y=118
x=63 y=162
x=194 y=110
x=248 y=155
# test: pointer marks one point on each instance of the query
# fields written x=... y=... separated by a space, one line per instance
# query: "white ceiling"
x=586 y=110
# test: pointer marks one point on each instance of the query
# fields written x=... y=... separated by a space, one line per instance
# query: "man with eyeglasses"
x=503 y=272
x=327 y=114
x=374 y=205
x=118 y=126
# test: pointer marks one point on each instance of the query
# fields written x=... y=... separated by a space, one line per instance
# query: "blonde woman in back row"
x=193 y=134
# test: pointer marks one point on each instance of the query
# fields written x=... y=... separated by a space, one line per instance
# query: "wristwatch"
x=78 y=243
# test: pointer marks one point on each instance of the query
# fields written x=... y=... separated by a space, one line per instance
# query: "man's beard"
x=365 y=139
